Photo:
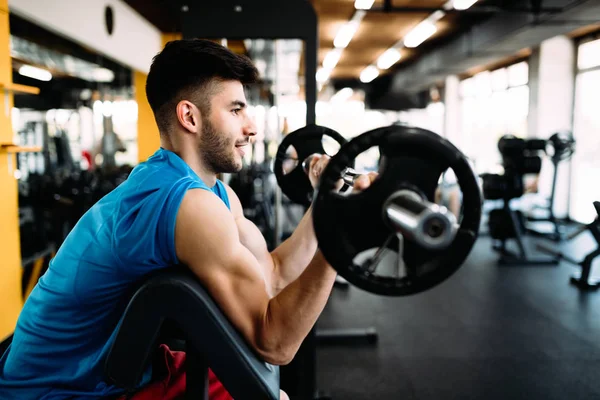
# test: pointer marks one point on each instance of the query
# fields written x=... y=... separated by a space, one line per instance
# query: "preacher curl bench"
x=176 y=297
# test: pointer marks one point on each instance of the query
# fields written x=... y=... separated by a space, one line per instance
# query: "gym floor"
x=489 y=332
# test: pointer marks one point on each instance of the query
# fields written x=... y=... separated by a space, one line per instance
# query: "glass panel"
x=467 y=88
x=517 y=107
x=483 y=84
x=499 y=79
x=486 y=118
x=518 y=74
x=480 y=138
x=586 y=164
x=588 y=55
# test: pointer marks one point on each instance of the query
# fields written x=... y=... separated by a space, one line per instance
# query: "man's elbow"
x=278 y=356
x=274 y=348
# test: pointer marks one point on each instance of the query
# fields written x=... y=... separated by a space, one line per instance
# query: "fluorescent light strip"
x=345 y=34
x=363 y=4
x=389 y=58
x=415 y=37
x=419 y=34
x=462 y=4
x=343 y=95
x=332 y=58
x=35 y=73
x=436 y=16
x=369 y=73
x=358 y=16
x=341 y=41
x=323 y=75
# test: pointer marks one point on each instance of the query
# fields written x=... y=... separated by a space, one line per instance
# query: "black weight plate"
x=411 y=158
x=307 y=141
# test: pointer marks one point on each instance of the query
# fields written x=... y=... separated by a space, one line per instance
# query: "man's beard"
x=216 y=150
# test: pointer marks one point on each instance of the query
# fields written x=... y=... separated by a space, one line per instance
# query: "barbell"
x=396 y=215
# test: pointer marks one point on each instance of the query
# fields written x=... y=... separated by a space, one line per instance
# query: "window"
x=588 y=55
x=493 y=104
x=518 y=74
x=499 y=79
x=586 y=163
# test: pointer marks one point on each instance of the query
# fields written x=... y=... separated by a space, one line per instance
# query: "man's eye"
x=236 y=110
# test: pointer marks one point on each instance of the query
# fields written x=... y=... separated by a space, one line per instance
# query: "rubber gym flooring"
x=489 y=332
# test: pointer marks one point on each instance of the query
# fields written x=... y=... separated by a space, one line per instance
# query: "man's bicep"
x=252 y=238
x=207 y=241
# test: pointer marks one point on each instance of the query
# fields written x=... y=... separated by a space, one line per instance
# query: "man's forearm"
x=294 y=311
x=295 y=253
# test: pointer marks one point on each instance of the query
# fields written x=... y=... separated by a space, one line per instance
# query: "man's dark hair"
x=188 y=69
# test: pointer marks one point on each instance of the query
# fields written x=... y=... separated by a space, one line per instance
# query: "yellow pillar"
x=10 y=266
x=147 y=133
x=167 y=37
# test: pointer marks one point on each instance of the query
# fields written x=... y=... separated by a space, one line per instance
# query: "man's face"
x=227 y=130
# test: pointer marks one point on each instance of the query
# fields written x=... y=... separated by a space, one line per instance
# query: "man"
x=172 y=210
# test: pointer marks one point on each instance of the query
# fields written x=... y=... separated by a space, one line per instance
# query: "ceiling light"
x=343 y=95
x=463 y=4
x=323 y=75
x=435 y=16
x=35 y=73
x=363 y=4
x=419 y=34
x=369 y=73
x=345 y=34
x=389 y=58
x=332 y=58
x=358 y=16
x=103 y=75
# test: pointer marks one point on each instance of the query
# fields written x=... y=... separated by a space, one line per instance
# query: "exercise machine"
x=519 y=157
x=583 y=280
x=177 y=297
x=560 y=148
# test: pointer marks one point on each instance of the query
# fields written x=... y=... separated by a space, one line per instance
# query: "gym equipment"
x=519 y=157
x=175 y=297
x=306 y=141
x=582 y=281
x=560 y=147
x=299 y=377
x=397 y=212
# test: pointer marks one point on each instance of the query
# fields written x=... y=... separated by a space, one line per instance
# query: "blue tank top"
x=68 y=322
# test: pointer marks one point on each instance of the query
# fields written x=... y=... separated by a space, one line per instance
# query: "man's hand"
x=363 y=181
x=317 y=166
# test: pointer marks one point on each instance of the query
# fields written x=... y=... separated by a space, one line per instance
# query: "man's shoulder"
x=234 y=201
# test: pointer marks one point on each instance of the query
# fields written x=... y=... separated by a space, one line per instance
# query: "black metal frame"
x=558 y=234
x=508 y=257
x=582 y=281
x=172 y=304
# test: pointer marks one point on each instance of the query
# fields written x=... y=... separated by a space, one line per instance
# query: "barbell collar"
x=427 y=224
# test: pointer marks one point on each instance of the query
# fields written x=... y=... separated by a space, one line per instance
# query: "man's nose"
x=250 y=127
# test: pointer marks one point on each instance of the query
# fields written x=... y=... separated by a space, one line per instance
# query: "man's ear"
x=189 y=116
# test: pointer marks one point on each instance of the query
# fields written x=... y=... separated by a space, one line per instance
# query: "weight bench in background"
x=211 y=341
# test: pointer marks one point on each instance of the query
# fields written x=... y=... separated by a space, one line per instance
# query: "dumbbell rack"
x=582 y=281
